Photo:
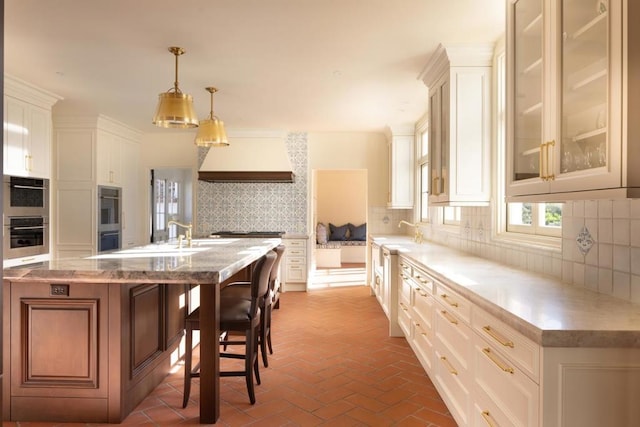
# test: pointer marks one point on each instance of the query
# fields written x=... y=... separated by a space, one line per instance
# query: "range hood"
x=248 y=160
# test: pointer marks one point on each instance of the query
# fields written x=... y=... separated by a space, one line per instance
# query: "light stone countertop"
x=208 y=261
x=546 y=310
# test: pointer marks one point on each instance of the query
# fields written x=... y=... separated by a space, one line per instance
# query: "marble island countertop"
x=551 y=313
x=207 y=261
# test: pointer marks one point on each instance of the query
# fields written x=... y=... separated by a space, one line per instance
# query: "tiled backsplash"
x=600 y=245
x=257 y=206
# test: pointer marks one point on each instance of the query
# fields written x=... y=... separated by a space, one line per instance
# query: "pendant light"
x=175 y=109
x=211 y=131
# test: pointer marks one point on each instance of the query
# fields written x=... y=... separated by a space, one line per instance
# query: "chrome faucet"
x=418 y=237
x=188 y=232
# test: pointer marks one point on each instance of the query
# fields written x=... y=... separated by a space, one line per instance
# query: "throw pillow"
x=338 y=233
x=358 y=233
x=321 y=233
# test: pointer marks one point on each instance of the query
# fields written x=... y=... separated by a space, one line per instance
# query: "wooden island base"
x=87 y=352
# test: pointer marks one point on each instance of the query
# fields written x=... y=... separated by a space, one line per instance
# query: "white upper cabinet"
x=401 y=164
x=27 y=129
x=109 y=158
x=568 y=103
x=459 y=82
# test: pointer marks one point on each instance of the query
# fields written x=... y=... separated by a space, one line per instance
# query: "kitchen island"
x=85 y=340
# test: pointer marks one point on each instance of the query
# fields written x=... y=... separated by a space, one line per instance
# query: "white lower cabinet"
x=295 y=264
x=490 y=375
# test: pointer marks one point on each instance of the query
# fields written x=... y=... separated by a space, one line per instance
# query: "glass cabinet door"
x=528 y=87
x=584 y=79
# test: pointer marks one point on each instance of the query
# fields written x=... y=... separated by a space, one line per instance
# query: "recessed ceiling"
x=297 y=65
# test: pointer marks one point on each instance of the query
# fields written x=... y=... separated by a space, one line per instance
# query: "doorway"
x=171 y=200
x=339 y=197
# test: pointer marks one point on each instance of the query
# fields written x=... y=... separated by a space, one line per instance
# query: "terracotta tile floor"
x=333 y=364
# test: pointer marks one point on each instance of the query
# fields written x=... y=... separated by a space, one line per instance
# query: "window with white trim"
x=422 y=132
x=451 y=215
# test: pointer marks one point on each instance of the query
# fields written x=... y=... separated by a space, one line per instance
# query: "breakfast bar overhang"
x=102 y=307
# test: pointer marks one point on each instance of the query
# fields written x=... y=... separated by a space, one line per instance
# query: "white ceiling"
x=298 y=65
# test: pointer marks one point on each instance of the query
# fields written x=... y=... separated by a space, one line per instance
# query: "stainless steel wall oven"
x=25 y=236
x=109 y=218
x=25 y=196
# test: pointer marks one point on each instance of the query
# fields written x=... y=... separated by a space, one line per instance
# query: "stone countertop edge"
x=211 y=266
x=542 y=308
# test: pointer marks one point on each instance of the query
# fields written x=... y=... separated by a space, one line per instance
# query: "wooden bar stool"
x=239 y=315
x=242 y=290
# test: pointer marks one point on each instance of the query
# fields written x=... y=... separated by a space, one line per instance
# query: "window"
x=423 y=169
x=535 y=218
x=451 y=216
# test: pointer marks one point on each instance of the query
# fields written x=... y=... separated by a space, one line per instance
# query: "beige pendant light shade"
x=211 y=131
x=175 y=109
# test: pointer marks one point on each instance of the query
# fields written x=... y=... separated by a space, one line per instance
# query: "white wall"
x=360 y=150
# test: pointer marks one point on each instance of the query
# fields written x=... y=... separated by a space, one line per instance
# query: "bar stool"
x=242 y=290
x=236 y=315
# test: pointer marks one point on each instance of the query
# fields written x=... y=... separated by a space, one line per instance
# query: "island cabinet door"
x=58 y=333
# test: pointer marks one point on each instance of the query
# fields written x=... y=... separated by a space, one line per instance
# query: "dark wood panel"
x=57 y=342
x=147 y=331
x=59 y=339
x=175 y=311
x=59 y=409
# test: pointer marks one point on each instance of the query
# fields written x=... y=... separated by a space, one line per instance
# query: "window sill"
x=551 y=244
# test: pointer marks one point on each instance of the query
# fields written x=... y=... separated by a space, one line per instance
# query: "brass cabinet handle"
x=404 y=307
x=550 y=175
x=446 y=298
x=498 y=337
x=449 y=317
x=449 y=367
x=497 y=361
x=421 y=292
x=423 y=333
x=488 y=419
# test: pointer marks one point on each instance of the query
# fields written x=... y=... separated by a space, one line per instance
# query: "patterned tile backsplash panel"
x=257 y=206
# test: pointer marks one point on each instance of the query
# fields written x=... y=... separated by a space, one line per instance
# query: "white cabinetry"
x=401 y=165
x=295 y=264
x=459 y=82
x=27 y=129
x=91 y=151
x=489 y=374
x=109 y=152
x=571 y=77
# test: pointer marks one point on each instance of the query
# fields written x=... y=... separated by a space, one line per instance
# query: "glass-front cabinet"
x=565 y=99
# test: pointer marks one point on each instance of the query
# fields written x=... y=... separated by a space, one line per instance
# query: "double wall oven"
x=25 y=217
x=109 y=218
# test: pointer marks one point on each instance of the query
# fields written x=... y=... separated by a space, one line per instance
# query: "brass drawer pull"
x=404 y=307
x=449 y=367
x=497 y=361
x=488 y=419
x=451 y=303
x=496 y=336
x=422 y=293
x=449 y=317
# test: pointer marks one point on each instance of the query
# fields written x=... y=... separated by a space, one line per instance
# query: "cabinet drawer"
x=296 y=260
x=423 y=344
x=423 y=280
x=423 y=305
x=514 y=394
x=454 y=302
x=454 y=336
x=454 y=385
x=296 y=273
x=520 y=350
x=404 y=316
x=293 y=252
x=291 y=244
x=404 y=287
